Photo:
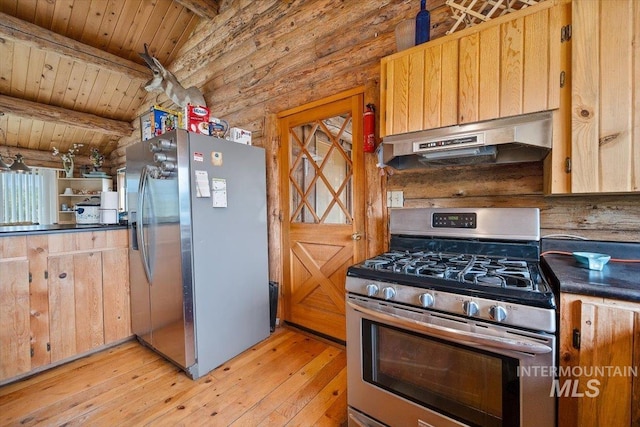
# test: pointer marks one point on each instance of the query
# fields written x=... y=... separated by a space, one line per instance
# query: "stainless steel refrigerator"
x=198 y=248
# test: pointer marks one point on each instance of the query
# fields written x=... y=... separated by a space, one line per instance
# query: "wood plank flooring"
x=290 y=379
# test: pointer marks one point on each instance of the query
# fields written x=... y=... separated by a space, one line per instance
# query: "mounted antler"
x=164 y=80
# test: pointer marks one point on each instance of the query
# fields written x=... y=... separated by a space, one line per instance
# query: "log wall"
x=600 y=217
x=257 y=58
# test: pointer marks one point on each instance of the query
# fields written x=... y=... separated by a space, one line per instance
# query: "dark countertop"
x=20 y=230
x=616 y=280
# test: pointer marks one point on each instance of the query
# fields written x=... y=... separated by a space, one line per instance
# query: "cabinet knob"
x=62 y=275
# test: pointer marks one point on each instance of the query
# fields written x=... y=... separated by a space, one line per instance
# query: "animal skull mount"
x=165 y=81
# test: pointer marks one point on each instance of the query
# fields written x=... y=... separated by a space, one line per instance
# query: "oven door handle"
x=464 y=337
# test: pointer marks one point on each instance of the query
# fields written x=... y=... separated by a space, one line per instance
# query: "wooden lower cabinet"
x=115 y=295
x=600 y=362
x=15 y=357
x=75 y=304
x=61 y=296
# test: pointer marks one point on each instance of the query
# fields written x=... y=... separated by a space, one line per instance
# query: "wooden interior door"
x=323 y=210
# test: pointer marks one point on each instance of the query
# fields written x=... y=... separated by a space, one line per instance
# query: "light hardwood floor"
x=290 y=379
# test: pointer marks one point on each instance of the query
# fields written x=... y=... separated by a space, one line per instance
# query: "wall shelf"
x=82 y=188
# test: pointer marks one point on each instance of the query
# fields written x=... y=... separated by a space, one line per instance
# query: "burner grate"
x=474 y=269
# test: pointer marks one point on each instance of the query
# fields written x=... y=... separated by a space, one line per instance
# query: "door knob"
x=356 y=236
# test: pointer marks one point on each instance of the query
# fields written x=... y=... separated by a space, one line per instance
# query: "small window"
x=28 y=198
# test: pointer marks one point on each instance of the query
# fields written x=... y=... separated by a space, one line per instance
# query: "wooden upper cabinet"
x=511 y=68
x=605 y=104
x=421 y=88
x=504 y=67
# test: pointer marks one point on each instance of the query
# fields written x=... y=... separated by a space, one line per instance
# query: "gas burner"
x=375 y=263
x=461 y=268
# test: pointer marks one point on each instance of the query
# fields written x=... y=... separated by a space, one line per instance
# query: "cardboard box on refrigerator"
x=196 y=118
x=158 y=121
x=240 y=135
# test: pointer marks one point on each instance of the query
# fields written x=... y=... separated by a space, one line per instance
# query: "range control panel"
x=454 y=220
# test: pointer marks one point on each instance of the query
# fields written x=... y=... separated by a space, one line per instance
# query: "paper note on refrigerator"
x=202 y=184
x=219 y=187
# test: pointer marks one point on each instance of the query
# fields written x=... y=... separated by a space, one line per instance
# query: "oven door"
x=414 y=367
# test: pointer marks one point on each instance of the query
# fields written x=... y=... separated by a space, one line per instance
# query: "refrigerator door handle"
x=142 y=186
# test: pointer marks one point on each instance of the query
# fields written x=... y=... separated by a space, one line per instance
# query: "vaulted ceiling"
x=70 y=70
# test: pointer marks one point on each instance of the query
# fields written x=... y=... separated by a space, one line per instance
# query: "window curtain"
x=48 y=196
x=28 y=198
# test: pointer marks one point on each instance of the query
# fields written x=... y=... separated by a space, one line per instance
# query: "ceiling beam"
x=16 y=30
x=50 y=113
x=206 y=9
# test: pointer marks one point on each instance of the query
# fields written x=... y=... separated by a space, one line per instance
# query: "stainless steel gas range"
x=455 y=325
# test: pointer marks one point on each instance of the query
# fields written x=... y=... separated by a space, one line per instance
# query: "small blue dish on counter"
x=593 y=261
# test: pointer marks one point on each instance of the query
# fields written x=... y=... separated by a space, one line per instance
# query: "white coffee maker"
x=109 y=207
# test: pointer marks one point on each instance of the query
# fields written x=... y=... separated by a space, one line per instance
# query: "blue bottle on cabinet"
x=423 y=23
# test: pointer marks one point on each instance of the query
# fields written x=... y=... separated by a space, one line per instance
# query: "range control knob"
x=470 y=308
x=372 y=290
x=388 y=293
x=426 y=300
x=498 y=313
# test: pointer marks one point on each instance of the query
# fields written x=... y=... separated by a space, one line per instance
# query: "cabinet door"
x=421 y=88
x=506 y=67
x=15 y=349
x=75 y=304
x=115 y=274
x=608 y=333
x=38 y=247
x=605 y=118
x=512 y=68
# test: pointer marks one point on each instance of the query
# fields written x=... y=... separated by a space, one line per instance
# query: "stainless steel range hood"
x=524 y=138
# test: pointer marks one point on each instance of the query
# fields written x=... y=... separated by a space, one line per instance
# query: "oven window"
x=473 y=386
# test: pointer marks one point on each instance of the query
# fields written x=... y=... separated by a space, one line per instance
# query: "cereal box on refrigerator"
x=196 y=119
x=159 y=121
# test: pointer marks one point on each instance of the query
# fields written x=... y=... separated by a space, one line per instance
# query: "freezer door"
x=160 y=233
x=137 y=156
x=157 y=282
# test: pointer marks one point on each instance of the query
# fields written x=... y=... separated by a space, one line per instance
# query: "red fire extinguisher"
x=369 y=127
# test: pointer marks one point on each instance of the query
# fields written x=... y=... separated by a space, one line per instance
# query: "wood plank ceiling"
x=70 y=70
